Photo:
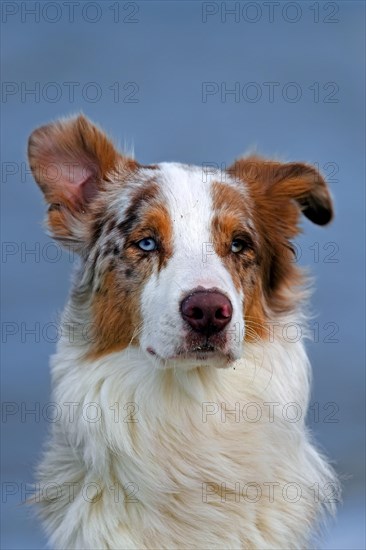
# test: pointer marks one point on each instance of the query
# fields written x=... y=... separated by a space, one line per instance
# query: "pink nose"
x=207 y=311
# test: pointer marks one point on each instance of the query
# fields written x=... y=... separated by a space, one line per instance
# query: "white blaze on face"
x=193 y=264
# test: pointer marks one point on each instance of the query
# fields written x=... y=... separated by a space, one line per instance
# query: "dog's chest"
x=194 y=447
x=196 y=467
x=179 y=456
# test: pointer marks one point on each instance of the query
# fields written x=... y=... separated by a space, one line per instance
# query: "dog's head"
x=179 y=261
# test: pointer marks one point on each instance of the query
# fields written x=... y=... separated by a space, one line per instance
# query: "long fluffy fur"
x=169 y=455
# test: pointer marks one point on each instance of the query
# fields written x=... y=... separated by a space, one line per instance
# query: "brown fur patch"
x=276 y=217
x=116 y=306
x=233 y=212
x=115 y=316
x=142 y=197
x=156 y=223
x=276 y=194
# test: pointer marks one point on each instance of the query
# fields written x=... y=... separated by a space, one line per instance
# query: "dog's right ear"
x=72 y=161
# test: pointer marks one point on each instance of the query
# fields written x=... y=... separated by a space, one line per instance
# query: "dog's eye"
x=238 y=245
x=147 y=245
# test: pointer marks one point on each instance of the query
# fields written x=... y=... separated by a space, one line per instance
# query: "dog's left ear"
x=294 y=180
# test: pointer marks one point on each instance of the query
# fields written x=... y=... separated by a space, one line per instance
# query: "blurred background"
x=196 y=82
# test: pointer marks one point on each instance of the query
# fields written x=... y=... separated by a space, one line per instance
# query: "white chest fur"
x=208 y=458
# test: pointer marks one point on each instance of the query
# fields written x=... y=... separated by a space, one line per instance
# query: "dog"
x=183 y=398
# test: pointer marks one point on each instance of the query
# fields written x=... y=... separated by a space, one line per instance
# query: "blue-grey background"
x=167 y=50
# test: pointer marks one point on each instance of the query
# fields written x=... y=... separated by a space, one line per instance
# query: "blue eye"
x=237 y=246
x=147 y=245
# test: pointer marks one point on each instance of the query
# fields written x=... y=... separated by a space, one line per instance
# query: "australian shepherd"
x=181 y=371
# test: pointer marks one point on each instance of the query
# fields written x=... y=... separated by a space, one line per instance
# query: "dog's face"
x=183 y=263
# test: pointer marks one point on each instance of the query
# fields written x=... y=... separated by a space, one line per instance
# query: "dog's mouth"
x=201 y=353
x=204 y=348
x=199 y=349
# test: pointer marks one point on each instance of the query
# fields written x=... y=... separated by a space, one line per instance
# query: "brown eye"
x=238 y=245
